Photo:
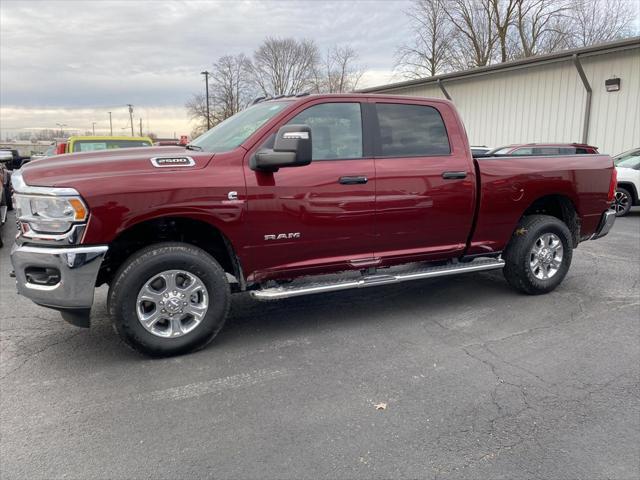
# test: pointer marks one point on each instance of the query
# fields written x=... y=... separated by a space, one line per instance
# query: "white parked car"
x=628 y=168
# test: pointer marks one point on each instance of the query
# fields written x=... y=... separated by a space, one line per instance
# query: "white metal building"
x=559 y=97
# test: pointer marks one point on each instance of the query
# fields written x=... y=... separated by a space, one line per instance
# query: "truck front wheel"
x=539 y=254
x=168 y=299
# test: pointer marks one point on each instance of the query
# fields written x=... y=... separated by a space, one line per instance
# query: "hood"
x=64 y=170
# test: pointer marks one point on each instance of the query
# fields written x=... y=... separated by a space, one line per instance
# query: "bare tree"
x=429 y=52
x=338 y=71
x=476 y=38
x=541 y=26
x=503 y=14
x=230 y=85
x=597 y=21
x=229 y=92
x=461 y=34
x=197 y=111
x=284 y=66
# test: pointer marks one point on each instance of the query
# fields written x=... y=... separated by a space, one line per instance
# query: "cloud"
x=164 y=121
x=90 y=55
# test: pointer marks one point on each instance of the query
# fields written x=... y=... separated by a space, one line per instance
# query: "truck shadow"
x=254 y=325
x=391 y=304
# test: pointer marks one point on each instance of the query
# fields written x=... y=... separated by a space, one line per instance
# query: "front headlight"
x=49 y=214
x=47 y=210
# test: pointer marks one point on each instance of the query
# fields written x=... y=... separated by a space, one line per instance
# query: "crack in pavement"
x=31 y=355
x=512 y=425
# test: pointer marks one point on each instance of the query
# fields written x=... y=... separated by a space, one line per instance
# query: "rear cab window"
x=553 y=151
x=407 y=130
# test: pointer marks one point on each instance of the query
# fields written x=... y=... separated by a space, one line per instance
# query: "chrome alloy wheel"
x=545 y=257
x=620 y=202
x=172 y=303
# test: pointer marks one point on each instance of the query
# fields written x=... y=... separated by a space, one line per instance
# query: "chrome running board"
x=414 y=273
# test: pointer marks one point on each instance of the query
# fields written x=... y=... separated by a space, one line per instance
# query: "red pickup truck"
x=370 y=189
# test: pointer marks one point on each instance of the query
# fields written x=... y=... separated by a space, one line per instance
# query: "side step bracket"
x=414 y=273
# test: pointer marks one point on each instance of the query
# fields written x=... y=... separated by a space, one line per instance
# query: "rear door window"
x=410 y=131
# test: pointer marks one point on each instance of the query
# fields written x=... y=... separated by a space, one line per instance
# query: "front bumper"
x=60 y=278
x=606 y=222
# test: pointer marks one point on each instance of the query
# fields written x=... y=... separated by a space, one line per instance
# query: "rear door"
x=425 y=182
x=318 y=217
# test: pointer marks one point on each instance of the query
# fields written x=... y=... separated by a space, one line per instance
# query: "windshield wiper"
x=197 y=148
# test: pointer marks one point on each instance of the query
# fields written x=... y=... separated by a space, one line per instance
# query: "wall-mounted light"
x=612 y=85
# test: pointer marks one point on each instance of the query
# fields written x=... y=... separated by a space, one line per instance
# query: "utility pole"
x=206 y=74
x=93 y=127
x=140 y=126
x=131 y=117
x=110 y=124
x=61 y=125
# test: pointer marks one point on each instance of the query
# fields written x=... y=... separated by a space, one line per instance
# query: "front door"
x=318 y=217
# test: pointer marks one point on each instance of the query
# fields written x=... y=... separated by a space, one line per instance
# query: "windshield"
x=230 y=133
x=93 y=145
x=628 y=159
x=500 y=151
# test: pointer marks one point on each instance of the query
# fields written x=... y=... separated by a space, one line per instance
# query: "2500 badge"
x=163 y=162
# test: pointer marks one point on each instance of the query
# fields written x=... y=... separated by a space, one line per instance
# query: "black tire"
x=142 y=267
x=8 y=200
x=518 y=254
x=2 y=203
x=622 y=202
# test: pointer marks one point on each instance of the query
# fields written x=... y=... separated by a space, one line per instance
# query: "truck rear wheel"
x=539 y=254
x=168 y=299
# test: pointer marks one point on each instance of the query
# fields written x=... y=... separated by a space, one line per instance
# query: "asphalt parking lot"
x=480 y=382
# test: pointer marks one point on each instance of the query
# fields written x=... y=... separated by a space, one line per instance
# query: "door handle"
x=454 y=175
x=353 y=180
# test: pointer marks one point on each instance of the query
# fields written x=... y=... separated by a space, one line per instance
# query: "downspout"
x=444 y=90
x=587 y=105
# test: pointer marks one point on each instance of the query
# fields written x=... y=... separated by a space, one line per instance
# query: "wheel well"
x=560 y=207
x=632 y=188
x=179 y=229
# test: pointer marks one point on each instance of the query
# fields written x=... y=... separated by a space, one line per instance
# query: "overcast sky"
x=73 y=61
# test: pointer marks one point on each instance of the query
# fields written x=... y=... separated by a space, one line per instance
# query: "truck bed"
x=509 y=185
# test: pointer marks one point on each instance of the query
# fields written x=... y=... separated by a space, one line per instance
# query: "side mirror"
x=292 y=148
